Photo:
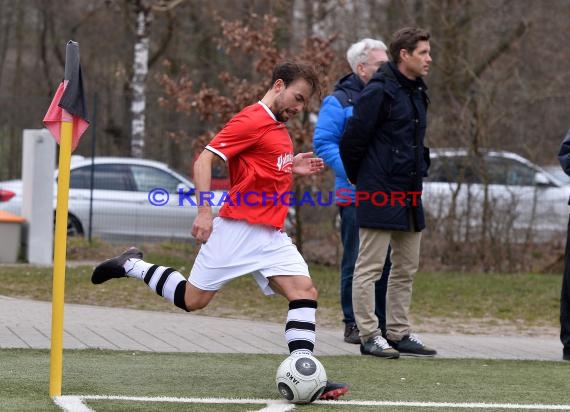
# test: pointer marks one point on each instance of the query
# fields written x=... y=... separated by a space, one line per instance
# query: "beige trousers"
x=405 y=260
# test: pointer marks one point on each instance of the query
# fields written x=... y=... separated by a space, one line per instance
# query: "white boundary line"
x=74 y=403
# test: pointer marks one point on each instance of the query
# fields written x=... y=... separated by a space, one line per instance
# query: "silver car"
x=132 y=199
x=502 y=192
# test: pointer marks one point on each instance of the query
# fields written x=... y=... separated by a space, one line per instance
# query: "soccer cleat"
x=412 y=345
x=351 y=333
x=333 y=391
x=378 y=346
x=113 y=268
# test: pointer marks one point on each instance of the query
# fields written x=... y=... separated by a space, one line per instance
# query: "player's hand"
x=305 y=164
x=202 y=227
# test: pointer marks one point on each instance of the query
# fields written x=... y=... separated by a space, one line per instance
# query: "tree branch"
x=166 y=5
x=503 y=47
x=164 y=42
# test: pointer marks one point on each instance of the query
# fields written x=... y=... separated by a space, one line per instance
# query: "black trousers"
x=565 y=298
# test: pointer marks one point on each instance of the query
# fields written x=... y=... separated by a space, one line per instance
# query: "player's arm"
x=202 y=226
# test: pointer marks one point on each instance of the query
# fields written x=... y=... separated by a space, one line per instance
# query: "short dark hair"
x=406 y=38
x=289 y=71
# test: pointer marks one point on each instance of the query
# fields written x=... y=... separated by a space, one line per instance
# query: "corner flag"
x=68 y=99
x=66 y=121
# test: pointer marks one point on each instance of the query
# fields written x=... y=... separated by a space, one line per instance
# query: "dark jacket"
x=335 y=110
x=564 y=155
x=383 y=151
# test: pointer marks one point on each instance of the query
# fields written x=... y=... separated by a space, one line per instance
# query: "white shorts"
x=236 y=248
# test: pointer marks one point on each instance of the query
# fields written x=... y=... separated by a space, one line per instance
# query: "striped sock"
x=166 y=282
x=300 y=327
x=136 y=268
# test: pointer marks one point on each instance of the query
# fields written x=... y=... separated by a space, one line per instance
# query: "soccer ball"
x=301 y=378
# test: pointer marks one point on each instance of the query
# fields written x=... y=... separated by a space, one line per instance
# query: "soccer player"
x=247 y=236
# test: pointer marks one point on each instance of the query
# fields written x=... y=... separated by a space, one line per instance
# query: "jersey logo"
x=285 y=163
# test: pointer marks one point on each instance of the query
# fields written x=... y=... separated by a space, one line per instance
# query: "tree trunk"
x=138 y=84
x=6 y=13
x=298 y=23
x=15 y=148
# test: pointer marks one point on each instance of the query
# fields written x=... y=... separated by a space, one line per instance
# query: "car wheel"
x=74 y=227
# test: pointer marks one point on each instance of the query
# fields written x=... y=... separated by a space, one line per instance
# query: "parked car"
x=507 y=193
x=558 y=173
x=122 y=200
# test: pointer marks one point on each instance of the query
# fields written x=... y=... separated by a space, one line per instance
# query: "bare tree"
x=140 y=70
x=143 y=11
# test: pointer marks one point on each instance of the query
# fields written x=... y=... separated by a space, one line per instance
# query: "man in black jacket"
x=564 y=157
x=383 y=153
x=364 y=57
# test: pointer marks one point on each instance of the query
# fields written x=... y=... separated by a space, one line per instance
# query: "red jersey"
x=259 y=154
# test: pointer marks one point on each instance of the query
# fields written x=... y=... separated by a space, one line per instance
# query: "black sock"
x=179 y=295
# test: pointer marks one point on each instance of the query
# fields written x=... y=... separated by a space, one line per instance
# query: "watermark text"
x=161 y=197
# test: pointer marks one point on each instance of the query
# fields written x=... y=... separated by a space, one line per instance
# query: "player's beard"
x=282 y=114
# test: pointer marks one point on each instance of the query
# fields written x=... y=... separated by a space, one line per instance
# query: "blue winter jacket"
x=383 y=151
x=335 y=111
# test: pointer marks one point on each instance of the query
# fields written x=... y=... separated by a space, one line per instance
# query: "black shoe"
x=566 y=354
x=113 y=268
x=412 y=345
x=378 y=346
x=333 y=391
x=351 y=333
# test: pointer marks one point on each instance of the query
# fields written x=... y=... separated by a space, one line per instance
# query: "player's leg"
x=302 y=296
x=300 y=328
x=165 y=281
x=220 y=260
x=196 y=298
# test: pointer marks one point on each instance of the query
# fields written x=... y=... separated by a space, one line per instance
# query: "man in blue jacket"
x=564 y=157
x=364 y=58
x=383 y=153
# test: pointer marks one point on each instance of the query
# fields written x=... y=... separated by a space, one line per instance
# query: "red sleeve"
x=240 y=133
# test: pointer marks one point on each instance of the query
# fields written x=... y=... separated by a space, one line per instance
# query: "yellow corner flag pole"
x=66 y=120
x=60 y=247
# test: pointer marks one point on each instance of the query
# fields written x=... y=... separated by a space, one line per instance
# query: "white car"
x=132 y=199
x=558 y=173
x=499 y=192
